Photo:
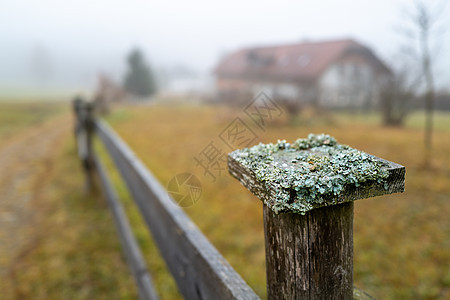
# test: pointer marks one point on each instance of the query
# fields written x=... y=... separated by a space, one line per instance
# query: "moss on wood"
x=311 y=172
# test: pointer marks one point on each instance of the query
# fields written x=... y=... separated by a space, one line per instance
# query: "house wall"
x=274 y=89
x=352 y=81
x=349 y=83
x=236 y=86
x=233 y=90
x=226 y=84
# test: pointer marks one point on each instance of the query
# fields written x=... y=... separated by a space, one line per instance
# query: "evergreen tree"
x=139 y=80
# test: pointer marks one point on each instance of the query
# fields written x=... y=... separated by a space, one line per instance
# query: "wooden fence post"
x=84 y=130
x=310 y=256
x=88 y=123
x=77 y=104
x=308 y=219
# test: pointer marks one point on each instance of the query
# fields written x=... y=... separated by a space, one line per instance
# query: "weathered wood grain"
x=198 y=268
x=310 y=256
x=287 y=266
x=331 y=251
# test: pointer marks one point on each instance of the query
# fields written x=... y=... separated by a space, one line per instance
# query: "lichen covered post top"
x=309 y=173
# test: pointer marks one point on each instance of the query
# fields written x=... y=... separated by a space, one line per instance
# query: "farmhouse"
x=338 y=73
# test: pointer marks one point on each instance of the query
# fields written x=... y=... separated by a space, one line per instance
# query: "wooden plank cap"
x=312 y=173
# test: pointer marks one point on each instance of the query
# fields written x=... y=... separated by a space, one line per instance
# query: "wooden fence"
x=294 y=270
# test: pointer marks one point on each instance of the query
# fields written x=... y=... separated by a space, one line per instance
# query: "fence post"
x=88 y=159
x=308 y=229
x=310 y=256
x=77 y=104
x=84 y=130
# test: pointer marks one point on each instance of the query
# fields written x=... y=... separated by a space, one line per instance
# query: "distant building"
x=180 y=81
x=107 y=93
x=340 y=73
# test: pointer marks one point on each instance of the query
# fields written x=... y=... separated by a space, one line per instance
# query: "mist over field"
x=49 y=46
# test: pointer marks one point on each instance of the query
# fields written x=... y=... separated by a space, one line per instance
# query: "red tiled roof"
x=304 y=61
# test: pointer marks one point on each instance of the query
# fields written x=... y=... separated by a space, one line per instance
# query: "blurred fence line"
x=199 y=270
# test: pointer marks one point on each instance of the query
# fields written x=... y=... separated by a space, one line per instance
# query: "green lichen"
x=315 y=170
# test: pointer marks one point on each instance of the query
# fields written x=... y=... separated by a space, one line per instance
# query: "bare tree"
x=399 y=90
x=396 y=94
x=422 y=28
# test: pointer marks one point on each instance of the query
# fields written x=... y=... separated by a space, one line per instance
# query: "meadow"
x=48 y=248
x=16 y=116
x=401 y=241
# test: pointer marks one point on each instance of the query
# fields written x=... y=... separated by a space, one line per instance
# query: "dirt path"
x=25 y=160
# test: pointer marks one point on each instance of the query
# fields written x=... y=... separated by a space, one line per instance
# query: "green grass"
x=414 y=120
x=18 y=115
x=441 y=120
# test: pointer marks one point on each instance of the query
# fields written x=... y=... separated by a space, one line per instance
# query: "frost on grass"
x=310 y=172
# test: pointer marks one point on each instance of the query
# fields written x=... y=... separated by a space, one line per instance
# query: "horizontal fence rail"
x=133 y=254
x=308 y=256
x=200 y=271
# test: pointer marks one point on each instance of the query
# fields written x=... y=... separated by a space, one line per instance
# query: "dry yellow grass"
x=62 y=242
x=401 y=241
x=17 y=116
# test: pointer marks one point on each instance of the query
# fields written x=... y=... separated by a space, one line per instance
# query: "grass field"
x=402 y=241
x=63 y=242
x=16 y=116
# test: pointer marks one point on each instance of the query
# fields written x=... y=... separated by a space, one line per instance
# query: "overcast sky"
x=78 y=38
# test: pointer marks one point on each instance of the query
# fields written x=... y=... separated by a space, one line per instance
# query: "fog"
x=62 y=46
